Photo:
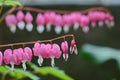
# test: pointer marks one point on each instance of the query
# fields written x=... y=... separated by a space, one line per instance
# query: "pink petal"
x=28 y=17
x=48 y=50
x=75 y=17
x=42 y=51
x=28 y=53
x=36 y=49
x=67 y=20
x=1 y=58
x=101 y=16
x=56 y=51
x=40 y=19
x=84 y=21
x=18 y=56
x=73 y=42
x=7 y=56
x=64 y=47
x=20 y=16
x=92 y=16
x=58 y=20
x=11 y=20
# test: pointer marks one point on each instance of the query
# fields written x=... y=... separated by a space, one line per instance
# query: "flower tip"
x=65 y=56
x=58 y=29
x=29 y=27
x=21 y=25
x=40 y=29
x=13 y=28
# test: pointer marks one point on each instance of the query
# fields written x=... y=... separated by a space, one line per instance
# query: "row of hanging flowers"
x=40 y=49
x=64 y=21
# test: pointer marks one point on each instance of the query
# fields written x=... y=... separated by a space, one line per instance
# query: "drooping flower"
x=26 y=56
x=58 y=24
x=36 y=52
x=84 y=23
x=1 y=58
x=67 y=22
x=73 y=47
x=11 y=22
x=75 y=20
x=109 y=20
x=29 y=19
x=55 y=53
x=49 y=19
x=64 y=47
x=20 y=18
x=40 y=23
x=100 y=18
x=11 y=57
x=93 y=18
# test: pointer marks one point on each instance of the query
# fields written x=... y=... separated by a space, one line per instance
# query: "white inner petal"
x=100 y=23
x=40 y=28
x=13 y=28
x=48 y=27
x=65 y=56
x=85 y=29
x=24 y=65
x=29 y=27
x=76 y=51
x=40 y=60
x=76 y=26
x=71 y=50
x=107 y=22
x=58 y=29
x=52 y=62
x=12 y=66
x=112 y=23
x=66 y=28
x=21 y=25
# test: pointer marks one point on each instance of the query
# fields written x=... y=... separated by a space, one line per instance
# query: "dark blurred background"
x=76 y=66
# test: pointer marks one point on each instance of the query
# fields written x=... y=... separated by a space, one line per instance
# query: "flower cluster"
x=41 y=50
x=65 y=21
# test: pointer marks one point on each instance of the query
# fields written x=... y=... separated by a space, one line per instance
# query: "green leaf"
x=12 y=3
x=33 y=66
x=20 y=73
x=100 y=54
x=50 y=70
x=2 y=69
x=54 y=72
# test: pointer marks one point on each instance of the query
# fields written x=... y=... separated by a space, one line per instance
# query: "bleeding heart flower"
x=100 y=17
x=55 y=53
x=49 y=19
x=93 y=18
x=36 y=52
x=58 y=24
x=40 y=23
x=26 y=56
x=29 y=19
x=109 y=20
x=75 y=20
x=20 y=18
x=67 y=22
x=11 y=22
x=11 y=57
x=84 y=22
x=73 y=47
x=64 y=47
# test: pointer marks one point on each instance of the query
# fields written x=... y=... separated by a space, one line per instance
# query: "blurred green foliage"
x=99 y=54
x=19 y=74
x=10 y=2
